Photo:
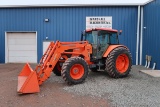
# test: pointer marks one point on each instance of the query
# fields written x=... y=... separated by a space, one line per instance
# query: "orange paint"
x=122 y=63
x=29 y=80
x=77 y=71
x=110 y=48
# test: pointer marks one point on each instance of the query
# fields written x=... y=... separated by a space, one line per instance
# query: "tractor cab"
x=100 y=39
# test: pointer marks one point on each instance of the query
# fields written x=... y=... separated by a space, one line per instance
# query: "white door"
x=45 y=45
x=21 y=47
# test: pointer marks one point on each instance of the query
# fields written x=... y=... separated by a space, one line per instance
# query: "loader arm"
x=53 y=54
x=29 y=80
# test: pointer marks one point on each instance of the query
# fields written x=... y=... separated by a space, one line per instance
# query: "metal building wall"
x=151 y=36
x=66 y=23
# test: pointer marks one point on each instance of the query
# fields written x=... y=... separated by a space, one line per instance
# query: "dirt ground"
x=51 y=94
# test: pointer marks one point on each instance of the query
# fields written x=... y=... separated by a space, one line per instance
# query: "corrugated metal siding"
x=66 y=23
x=151 y=37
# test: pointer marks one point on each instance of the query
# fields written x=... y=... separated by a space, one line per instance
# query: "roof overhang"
x=66 y=3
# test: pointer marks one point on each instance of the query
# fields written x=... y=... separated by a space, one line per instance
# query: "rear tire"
x=118 y=62
x=74 y=70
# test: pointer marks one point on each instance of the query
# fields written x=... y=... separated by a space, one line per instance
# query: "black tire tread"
x=110 y=62
x=66 y=70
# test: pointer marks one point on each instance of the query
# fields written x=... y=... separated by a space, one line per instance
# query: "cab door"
x=102 y=45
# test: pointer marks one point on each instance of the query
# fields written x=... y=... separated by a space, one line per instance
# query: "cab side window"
x=113 y=38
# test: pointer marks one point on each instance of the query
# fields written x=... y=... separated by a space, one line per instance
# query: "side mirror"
x=120 y=32
x=82 y=35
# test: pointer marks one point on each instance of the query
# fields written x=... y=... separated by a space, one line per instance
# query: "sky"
x=72 y=2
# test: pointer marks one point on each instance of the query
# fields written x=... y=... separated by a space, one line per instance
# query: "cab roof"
x=105 y=29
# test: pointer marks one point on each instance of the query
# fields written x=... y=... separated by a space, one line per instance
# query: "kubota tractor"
x=98 y=50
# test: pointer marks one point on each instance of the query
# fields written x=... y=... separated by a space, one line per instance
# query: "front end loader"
x=98 y=50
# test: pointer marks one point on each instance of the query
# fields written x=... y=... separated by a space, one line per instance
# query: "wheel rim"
x=122 y=63
x=77 y=71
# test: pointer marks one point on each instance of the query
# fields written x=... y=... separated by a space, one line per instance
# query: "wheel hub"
x=122 y=63
x=77 y=71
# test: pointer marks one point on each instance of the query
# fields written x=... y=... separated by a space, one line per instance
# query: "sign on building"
x=98 y=22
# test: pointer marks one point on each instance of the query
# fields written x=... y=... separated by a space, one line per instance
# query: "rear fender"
x=110 y=48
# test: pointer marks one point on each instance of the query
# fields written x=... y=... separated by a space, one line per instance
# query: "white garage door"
x=21 y=47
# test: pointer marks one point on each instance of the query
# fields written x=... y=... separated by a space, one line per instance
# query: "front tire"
x=74 y=70
x=118 y=62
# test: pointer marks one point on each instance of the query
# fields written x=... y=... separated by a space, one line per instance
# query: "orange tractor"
x=98 y=50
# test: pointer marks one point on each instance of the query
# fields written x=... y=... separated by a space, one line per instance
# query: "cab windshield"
x=101 y=37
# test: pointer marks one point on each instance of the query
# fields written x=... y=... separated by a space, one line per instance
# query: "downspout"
x=137 y=47
x=141 y=37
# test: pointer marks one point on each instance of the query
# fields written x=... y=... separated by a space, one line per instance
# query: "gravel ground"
x=137 y=90
x=99 y=90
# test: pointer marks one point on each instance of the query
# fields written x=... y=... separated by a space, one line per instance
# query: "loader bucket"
x=27 y=80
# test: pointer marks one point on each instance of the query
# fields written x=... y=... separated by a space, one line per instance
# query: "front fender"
x=112 y=47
